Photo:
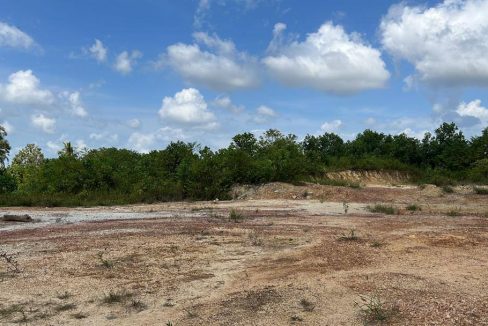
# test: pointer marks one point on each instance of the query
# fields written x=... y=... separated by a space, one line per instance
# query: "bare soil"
x=290 y=258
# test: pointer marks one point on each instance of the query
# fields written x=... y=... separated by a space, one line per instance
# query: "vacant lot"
x=284 y=255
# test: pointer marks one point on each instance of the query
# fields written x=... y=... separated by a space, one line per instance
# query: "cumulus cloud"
x=329 y=60
x=11 y=36
x=144 y=142
x=331 y=126
x=23 y=88
x=473 y=109
x=98 y=51
x=188 y=107
x=134 y=123
x=226 y=103
x=125 y=61
x=76 y=104
x=44 y=123
x=213 y=63
x=447 y=44
x=263 y=114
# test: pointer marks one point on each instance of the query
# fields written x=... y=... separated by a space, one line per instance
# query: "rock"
x=17 y=218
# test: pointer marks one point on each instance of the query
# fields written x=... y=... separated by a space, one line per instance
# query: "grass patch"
x=79 y=315
x=413 y=208
x=447 y=189
x=10 y=310
x=453 y=213
x=376 y=244
x=480 y=191
x=255 y=239
x=137 y=305
x=105 y=262
x=373 y=310
x=307 y=305
x=64 y=296
x=117 y=297
x=235 y=216
x=65 y=307
x=351 y=236
x=384 y=209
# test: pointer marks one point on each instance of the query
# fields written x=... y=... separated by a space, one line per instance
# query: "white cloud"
x=77 y=108
x=54 y=147
x=98 y=51
x=134 y=123
x=222 y=67
x=125 y=61
x=329 y=60
x=23 y=88
x=13 y=37
x=446 y=43
x=187 y=107
x=331 y=126
x=263 y=114
x=141 y=142
x=105 y=136
x=43 y=122
x=473 y=109
x=226 y=103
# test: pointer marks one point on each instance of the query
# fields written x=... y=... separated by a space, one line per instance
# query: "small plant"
x=453 y=213
x=307 y=305
x=169 y=323
x=79 y=315
x=480 y=191
x=376 y=244
x=138 y=305
x=384 y=209
x=373 y=310
x=235 y=216
x=65 y=307
x=349 y=237
x=9 y=260
x=255 y=239
x=345 y=205
x=104 y=262
x=413 y=208
x=64 y=296
x=116 y=297
x=447 y=189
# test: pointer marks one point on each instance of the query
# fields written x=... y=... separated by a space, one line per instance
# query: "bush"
x=378 y=208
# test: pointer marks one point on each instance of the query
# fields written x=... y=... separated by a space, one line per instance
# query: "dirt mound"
x=371 y=177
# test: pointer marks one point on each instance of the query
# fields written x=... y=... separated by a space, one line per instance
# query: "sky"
x=140 y=74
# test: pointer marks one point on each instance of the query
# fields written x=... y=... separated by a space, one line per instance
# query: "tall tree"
x=4 y=147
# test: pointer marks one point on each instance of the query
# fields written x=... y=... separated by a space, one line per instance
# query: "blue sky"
x=139 y=74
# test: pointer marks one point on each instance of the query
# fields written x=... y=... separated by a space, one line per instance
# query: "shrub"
x=378 y=208
x=480 y=191
x=235 y=216
x=413 y=208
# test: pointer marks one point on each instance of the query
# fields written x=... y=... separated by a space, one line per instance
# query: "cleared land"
x=279 y=255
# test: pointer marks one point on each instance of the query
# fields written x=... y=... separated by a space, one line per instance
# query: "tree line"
x=189 y=171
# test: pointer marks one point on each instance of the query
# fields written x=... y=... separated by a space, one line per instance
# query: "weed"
x=169 y=323
x=10 y=310
x=104 y=262
x=378 y=208
x=372 y=309
x=296 y=318
x=11 y=262
x=349 y=237
x=413 y=208
x=65 y=307
x=138 y=305
x=480 y=191
x=79 y=315
x=255 y=239
x=235 y=216
x=376 y=244
x=453 y=213
x=116 y=297
x=64 y=296
x=307 y=305
x=345 y=205
x=447 y=189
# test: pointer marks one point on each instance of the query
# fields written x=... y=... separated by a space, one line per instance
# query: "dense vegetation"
x=188 y=171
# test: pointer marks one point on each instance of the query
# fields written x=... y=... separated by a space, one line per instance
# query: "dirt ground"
x=290 y=255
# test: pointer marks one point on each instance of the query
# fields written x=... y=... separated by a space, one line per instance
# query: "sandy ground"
x=284 y=262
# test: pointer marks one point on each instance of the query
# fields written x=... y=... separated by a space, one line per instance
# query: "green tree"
x=4 y=147
x=25 y=165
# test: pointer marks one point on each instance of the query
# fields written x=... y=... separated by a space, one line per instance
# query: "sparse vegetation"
x=255 y=239
x=137 y=305
x=480 y=191
x=453 y=213
x=447 y=189
x=65 y=295
x=345 y=206
x=116 y=297
x=384 y=209
x=377 y=244
x=104 y=262
x=235 y=216
x=307 y=305
x=413 y=208
x=373 y=310
x=79 y=315
x=11 y=263
x=352 y=236
x=65 y=307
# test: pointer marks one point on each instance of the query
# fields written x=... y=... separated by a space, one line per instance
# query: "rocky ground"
x=280 y=255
